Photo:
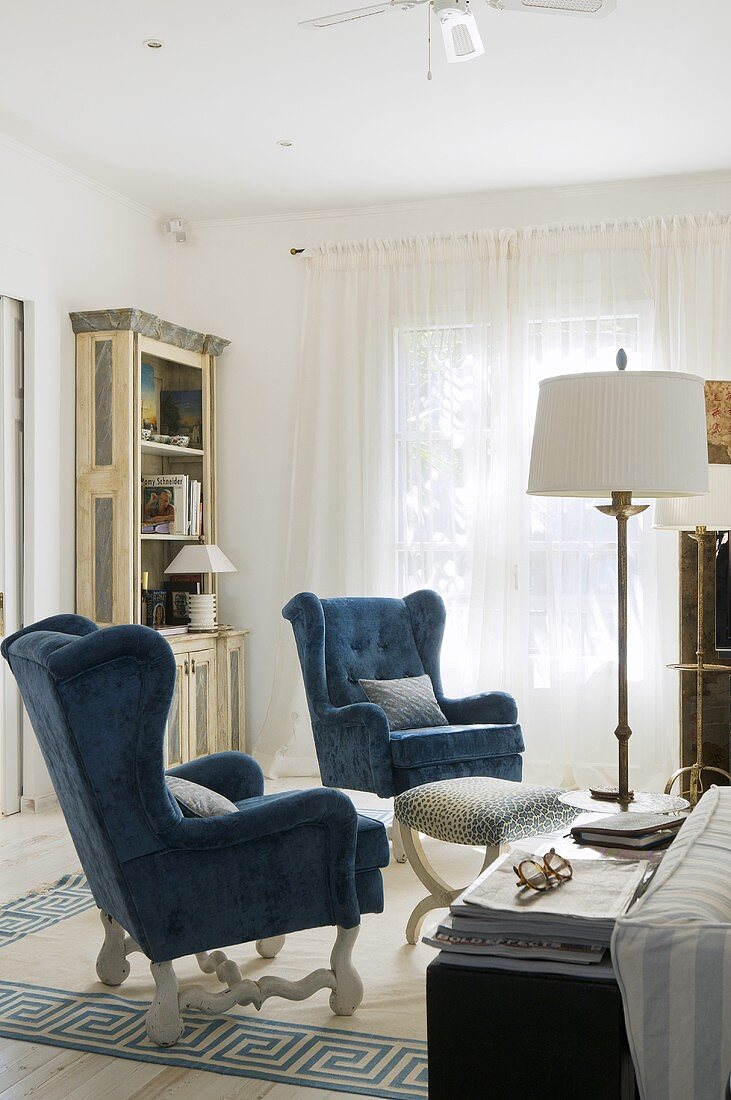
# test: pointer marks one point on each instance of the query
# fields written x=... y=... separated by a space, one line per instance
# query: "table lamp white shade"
x=201 y=557
x=712 y=510
x=642 y=432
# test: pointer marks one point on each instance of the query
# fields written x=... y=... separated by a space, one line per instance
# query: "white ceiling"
x=192 y=129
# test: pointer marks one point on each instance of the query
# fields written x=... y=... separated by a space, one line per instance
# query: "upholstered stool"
x=476 y=811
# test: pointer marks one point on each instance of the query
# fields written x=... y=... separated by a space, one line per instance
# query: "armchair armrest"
x=494 y=708
x=353 y=748
x=264 y=816
x=232 y=774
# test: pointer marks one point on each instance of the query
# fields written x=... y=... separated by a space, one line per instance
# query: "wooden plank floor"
x=37 y=849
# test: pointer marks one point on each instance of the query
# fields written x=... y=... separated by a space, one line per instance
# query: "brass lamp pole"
x=702 y=537
x=622 y=509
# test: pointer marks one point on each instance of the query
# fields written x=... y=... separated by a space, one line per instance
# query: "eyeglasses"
x=544 y=874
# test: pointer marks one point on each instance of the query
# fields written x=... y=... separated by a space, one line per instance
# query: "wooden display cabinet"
x=135 y=375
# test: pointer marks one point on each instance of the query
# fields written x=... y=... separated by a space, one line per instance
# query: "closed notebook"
x=629 y=825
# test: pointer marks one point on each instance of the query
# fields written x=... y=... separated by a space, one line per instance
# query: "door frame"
x=12 y=552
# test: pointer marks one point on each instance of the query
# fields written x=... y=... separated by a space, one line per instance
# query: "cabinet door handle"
x=192 y=667
x=186 y=666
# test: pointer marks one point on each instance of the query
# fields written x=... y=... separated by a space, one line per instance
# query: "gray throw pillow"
x=199 y=801
x=409 y=703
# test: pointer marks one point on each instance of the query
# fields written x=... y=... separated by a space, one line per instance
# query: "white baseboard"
x=38 y=805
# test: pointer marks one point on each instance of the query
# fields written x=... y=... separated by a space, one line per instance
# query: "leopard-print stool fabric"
x=482 y=811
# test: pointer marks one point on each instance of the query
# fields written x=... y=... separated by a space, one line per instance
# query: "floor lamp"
x=702 y=517
x=613 y=434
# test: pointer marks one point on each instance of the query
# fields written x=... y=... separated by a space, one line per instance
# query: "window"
x=442 y=402
x=442 y=413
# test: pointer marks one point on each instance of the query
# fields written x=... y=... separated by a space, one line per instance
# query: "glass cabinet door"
x=177 y=728
x=202 y=702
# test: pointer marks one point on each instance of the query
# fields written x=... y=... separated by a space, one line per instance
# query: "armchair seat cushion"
x=447 y=744
x=371 y=850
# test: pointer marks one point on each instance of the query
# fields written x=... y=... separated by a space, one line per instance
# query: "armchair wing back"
x=98 y=701
x=343 y=640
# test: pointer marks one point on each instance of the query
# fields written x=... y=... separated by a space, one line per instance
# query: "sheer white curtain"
x=420 y=366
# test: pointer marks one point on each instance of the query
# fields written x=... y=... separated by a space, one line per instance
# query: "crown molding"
x=62 y=169
x=685 y=182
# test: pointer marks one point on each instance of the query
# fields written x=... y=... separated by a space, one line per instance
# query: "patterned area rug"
x=49 y=994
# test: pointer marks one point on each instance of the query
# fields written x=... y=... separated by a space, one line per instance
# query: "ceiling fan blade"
x=347 y=16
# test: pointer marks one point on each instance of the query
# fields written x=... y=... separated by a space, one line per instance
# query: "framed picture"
x=176 y=597
x=718 y=421
x=149 y=398
x=181 y=414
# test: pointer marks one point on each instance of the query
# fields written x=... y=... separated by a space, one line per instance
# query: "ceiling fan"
x=462 y=40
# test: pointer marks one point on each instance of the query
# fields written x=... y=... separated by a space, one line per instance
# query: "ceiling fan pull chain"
x=428 y=40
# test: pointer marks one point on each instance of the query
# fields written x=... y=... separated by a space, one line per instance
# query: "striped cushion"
x=672 y=955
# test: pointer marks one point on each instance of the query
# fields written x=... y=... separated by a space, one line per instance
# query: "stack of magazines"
x=571 y=923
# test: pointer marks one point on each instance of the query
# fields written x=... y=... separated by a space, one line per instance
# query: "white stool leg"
x=441 y=894
x=397 y=844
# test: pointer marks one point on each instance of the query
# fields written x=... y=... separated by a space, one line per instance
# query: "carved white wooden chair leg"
x=270 y=948
x=441 y=894
x=111 y=964
x=164 y=1022
x=397 y=844
x=348 y=992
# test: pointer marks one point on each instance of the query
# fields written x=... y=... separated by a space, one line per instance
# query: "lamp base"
x=610 y=794
x=202 y=613
x=644 y=802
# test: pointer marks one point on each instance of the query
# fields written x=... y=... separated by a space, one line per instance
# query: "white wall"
x=237 y=279
x=68 y=244
x=65 y=244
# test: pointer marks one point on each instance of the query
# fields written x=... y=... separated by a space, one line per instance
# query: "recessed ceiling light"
x=153 y=43
x=285 y=143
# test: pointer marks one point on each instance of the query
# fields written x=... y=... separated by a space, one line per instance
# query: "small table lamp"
x=702 y=517
x=201 y=557
x=612 y=434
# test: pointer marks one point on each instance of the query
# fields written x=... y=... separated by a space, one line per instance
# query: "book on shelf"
x=168 y=631
x=636 y=831
x=172 y=504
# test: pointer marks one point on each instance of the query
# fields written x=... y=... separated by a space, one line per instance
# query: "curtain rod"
x=296 y=251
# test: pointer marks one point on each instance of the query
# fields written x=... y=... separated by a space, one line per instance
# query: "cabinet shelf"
x=150 y=448
x=170 y=538
x=706 y=668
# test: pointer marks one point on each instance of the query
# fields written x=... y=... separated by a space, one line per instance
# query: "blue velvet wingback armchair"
x=169 y=885
x=342 y=641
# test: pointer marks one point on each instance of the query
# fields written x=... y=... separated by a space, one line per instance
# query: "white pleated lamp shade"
x=642 y=432
x=201 y=557
x=712 y=510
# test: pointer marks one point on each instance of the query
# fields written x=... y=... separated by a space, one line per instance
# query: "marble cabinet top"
x=147 y=324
